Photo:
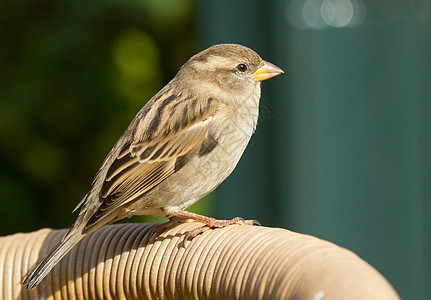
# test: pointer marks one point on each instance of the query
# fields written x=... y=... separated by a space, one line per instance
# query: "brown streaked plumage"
x=180 y=146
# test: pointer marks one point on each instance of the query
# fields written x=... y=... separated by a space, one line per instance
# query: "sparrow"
x=181 y=145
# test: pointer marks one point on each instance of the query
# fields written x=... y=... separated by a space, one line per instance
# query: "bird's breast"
x=227 y=138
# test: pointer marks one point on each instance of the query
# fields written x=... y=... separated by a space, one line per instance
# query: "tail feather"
x=52 y=258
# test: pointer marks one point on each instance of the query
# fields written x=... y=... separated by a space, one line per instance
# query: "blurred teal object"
x=344 y=154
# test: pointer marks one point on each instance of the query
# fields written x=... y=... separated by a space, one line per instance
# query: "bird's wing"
x=162 y=141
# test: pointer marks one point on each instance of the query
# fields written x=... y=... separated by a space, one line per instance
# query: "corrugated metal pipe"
x=237 y=262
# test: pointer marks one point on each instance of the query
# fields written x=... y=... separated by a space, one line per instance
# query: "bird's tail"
x=52 y=258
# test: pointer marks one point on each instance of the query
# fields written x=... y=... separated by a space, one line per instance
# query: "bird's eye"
x=242 y=67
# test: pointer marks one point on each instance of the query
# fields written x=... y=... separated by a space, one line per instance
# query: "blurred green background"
x=342 y=150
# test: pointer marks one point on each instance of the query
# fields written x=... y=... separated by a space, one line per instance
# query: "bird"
x=184 y=142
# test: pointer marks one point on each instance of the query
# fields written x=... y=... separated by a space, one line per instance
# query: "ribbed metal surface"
x=237 y=262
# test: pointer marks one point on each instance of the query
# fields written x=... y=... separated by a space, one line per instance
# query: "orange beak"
x=266 y=71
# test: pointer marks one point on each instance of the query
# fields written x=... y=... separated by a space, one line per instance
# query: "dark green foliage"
x=72 y=76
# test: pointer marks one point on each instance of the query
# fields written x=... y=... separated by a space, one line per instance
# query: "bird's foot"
x=211 y=223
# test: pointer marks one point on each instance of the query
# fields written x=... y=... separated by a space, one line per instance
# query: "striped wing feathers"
x=161 y=144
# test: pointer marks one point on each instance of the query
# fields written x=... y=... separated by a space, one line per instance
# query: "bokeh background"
x=342 y=150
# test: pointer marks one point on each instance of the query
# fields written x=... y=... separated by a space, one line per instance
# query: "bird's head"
x=234 y=69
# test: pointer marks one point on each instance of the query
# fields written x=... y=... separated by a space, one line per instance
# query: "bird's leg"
x=211 y=222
